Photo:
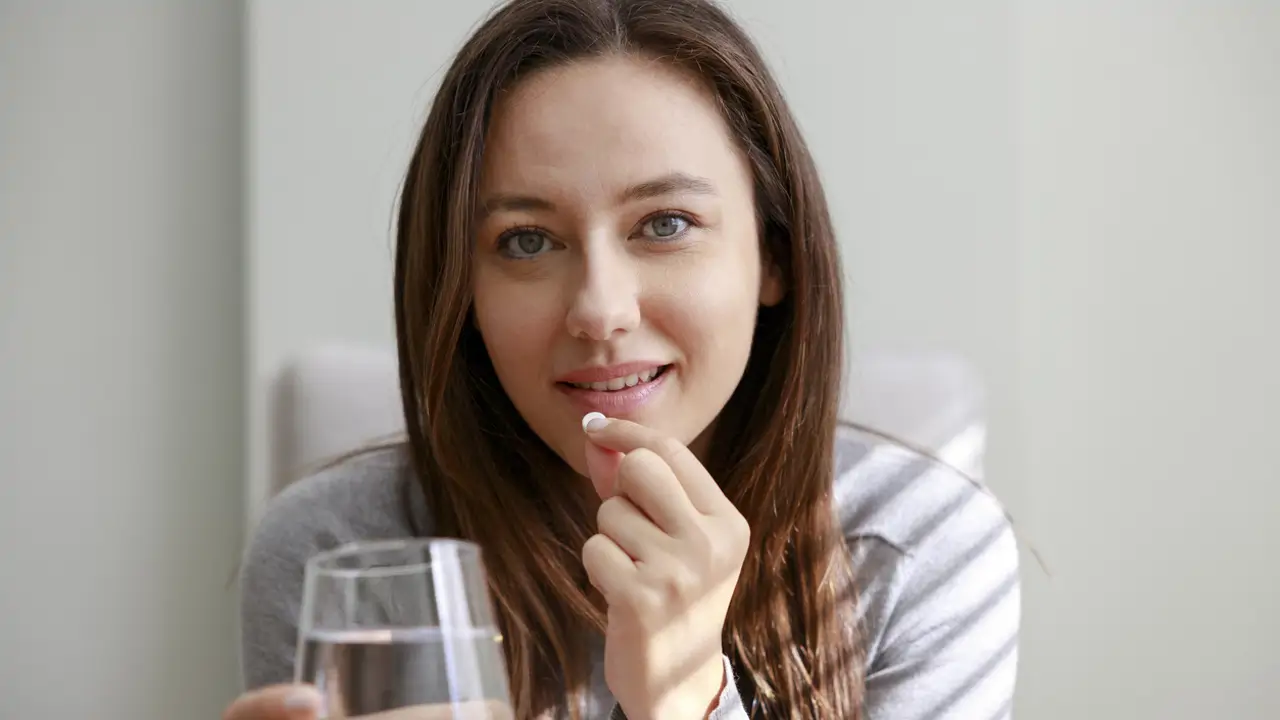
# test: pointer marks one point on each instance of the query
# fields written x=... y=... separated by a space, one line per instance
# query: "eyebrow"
x=670 y=184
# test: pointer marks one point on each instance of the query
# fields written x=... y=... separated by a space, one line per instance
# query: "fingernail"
x=303 y=698
x=593 y=421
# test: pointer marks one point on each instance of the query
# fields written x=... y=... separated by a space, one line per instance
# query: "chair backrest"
x=336 y=398
x=329 y=401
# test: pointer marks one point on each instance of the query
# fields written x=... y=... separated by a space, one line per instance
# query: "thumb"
x=278 y=702
x=602 y=464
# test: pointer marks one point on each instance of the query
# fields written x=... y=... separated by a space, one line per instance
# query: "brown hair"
x=790 y=629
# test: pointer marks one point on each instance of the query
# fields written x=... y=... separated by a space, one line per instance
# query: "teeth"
x=619 y=383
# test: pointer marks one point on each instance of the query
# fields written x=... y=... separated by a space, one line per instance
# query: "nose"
x=605 y=301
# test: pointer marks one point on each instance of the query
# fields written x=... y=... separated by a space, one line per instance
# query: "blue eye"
x=666 y=227
x=524 y=244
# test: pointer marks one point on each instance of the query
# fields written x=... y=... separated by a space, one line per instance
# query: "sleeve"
x=730 y=706
x=271 y=579
x=947 y=645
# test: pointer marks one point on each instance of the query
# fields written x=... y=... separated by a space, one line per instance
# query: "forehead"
x=607 y=122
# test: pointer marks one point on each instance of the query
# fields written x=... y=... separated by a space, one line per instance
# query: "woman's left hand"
x=667 y=556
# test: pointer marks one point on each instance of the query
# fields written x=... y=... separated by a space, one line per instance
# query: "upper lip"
x=604 y=373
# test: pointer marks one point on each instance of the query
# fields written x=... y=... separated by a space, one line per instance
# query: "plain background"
x=1082 y=199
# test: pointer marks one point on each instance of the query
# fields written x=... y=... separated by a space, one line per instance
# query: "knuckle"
x=609 y=512
x=636 y=467
x=644 y=602
x=700 y=538
x=594 y=555
x=680 y=586
x=727 y=557
x=592 y=548
x=639 y=458
x=726 y=546
x=670 y=447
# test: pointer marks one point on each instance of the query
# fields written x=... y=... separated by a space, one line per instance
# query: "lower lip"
x=615 y=403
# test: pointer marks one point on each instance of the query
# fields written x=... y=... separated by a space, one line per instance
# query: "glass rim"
x=322 y=563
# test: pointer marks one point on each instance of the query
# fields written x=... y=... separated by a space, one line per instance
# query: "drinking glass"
x=402 y=629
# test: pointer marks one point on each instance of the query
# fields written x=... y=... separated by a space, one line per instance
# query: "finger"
x=625 y=436
x=608 y=568
x=624 y=523
x=647 y=481
x=602 y=467
x=277 y=702
x=471 y=710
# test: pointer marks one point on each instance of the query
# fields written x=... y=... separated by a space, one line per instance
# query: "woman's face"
x=618 y=265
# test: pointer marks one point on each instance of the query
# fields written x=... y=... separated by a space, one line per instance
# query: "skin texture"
x=575 y=269
x=617 y=224
x=600 y=288
x=667 y=558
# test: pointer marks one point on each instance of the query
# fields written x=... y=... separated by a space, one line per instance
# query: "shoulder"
x=362 y=496
x=370 y=496
x=908 y=500
x=933 y=550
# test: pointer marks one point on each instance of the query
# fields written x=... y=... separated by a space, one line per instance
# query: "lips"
x=620 y=383
x=603 y=373
x=616 y=391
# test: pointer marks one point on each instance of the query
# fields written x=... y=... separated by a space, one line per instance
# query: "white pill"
x=586 y=419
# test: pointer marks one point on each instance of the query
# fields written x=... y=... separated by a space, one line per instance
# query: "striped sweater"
x=935 y=562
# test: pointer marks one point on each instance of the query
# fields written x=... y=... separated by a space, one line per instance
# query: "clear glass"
x=402 y=625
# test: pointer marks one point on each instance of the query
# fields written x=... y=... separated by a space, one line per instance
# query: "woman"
x=610 y=209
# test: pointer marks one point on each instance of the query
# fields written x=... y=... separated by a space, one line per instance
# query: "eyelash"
x=514 y=231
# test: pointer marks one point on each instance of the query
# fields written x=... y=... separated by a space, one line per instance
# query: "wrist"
x=694 y=699
x=701 y=694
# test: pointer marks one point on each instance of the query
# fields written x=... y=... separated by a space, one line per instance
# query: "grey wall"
x=1148 y=347
x=121 y=348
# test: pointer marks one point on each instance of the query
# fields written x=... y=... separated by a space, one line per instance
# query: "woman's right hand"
x=277 y=702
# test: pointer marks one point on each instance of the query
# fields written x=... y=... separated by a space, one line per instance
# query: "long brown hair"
x=790 y=629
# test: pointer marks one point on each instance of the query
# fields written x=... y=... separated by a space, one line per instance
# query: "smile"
x=619 y=391
x=622 y=383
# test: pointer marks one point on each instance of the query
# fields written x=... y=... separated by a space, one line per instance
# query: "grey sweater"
x=935 y=560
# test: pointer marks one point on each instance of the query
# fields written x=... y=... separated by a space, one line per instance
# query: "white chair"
x=338 y=397
x=328 y=401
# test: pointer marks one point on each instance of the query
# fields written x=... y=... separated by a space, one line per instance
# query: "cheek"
x=518 y=324
x=710 y=318
x=710 y=314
